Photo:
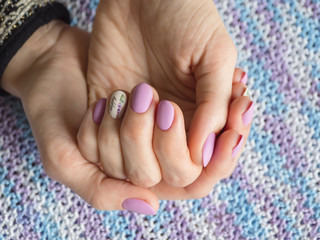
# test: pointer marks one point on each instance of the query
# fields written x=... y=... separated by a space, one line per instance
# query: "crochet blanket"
x=274 y=192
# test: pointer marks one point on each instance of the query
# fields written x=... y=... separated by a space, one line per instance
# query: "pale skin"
x=53 y=90
x=183 y=50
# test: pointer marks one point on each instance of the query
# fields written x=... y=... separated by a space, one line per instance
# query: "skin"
x=183 y=50
x=48 y=74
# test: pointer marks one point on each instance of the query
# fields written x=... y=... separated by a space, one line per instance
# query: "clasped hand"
x=181 y=53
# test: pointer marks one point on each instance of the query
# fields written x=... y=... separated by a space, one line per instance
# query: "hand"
x=48 y=74
x=228 y=147
x=184 y=52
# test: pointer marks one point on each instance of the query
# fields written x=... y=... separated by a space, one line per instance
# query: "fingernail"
x=237 y=148
x=248 y=115
x=244 y=78
x=141 y=98
x=138 y=206
x=165 y=115
x=246 y=93
x=208 y=148
x=118 y=104
x=99 y=110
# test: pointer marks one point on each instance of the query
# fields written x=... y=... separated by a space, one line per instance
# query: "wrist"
x=17 y=75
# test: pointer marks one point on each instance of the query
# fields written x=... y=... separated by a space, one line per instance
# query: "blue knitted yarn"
x=274 y=191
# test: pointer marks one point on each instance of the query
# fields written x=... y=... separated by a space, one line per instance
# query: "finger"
x=88 y=131
x=240 y=76
x=238 y=90
x=170 y=146
x=110 y=149
x=240 y=115
x=91 y=184
x=239 y=121
x=229 y=146
x=214 y=74
x=221 y=162
x=136 y=133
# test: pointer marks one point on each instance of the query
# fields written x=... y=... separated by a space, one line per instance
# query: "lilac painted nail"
x=237 y=148
x=208 y=149
x=244 y=78
x=138 y=206
x=99 y=110
x=248 y=115
x=141 y=98
x=165 y=115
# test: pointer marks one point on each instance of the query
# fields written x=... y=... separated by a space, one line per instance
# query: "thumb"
x=213 y=74
x=105 y=193
x=88 y=181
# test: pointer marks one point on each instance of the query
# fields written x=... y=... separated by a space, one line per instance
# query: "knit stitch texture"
x=274 y=192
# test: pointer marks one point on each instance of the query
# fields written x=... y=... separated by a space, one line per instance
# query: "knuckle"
x=107 y=142
x=132 y=134
x=144 y=180
x=177 y=181
x=83 y=139
x=94 y=194
x=113 y=171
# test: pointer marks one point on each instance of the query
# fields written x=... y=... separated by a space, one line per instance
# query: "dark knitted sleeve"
x=19 y=19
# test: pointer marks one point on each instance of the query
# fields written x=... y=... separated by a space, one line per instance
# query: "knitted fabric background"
x=274 y=192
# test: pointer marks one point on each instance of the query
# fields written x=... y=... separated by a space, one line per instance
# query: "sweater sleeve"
x=19 y=19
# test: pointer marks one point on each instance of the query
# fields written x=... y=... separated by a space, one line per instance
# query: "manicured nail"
x=244 y=78
x=237 y=148
x=141 y=98
x=138 y=206
x=248 y=115
x=208 y=148
x=118 y=104
x=246 y=93
x=165 y=115
x=99 y=110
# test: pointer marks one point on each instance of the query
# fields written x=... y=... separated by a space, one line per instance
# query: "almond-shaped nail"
x=244 y=78
x=208 y=149
x=138 y=206
x=99 y=110
x=248 y=115
x=237 y=148
x=118 y=103
x=165 y=115
x=141 y=98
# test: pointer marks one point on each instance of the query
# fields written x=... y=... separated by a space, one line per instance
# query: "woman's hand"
x=48 y=74
x=165 y=122
x=183 y=50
